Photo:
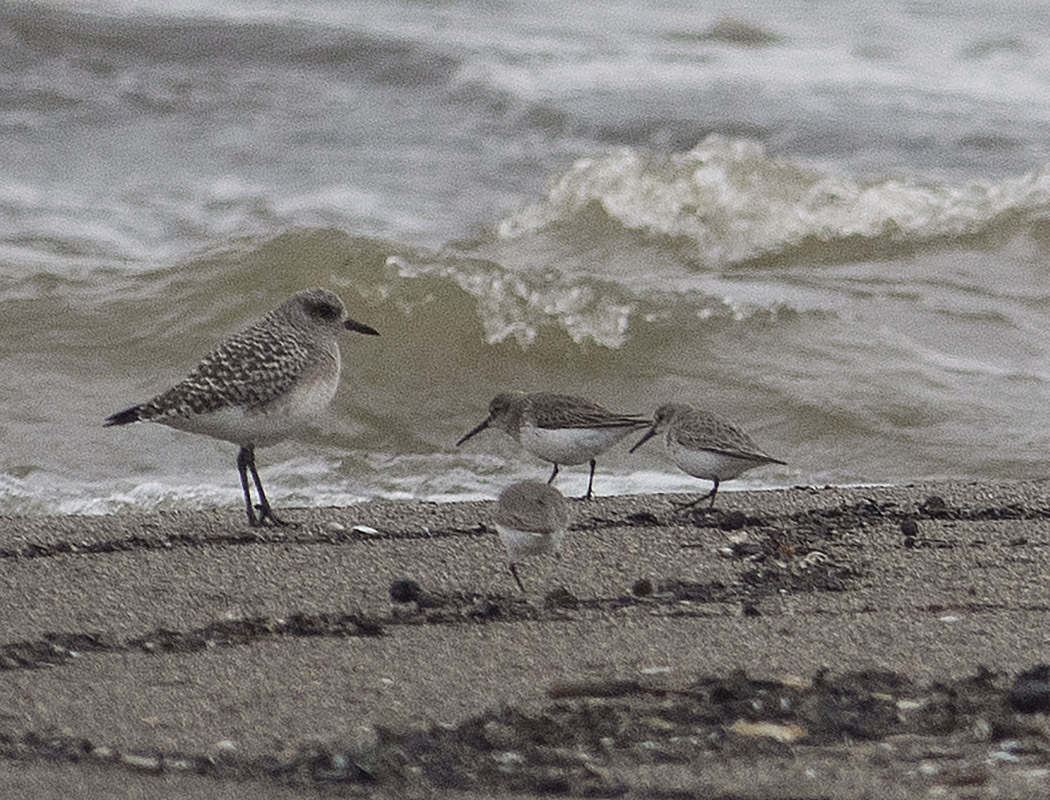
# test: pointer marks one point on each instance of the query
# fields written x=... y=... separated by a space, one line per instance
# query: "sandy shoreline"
x=185 y=655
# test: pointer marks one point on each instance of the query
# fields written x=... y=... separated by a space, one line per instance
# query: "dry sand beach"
x=800 y=643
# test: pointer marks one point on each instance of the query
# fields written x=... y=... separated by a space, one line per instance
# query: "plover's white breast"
x=569 y=445
x=707 y=464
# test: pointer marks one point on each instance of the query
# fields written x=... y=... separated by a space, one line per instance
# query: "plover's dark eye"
x=325 y=311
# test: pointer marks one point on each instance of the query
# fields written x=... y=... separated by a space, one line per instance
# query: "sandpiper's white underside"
x=569 y=445
x=521 y=543
x=707 y=464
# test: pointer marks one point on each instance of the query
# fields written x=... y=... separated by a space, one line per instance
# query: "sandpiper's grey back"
x=531 y=518
x=533 y=506
x=701 y=430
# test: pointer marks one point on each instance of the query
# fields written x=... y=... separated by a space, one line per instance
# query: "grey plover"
x=705 y=446
x=531 y=519
x=558 y=428
x=259 y=386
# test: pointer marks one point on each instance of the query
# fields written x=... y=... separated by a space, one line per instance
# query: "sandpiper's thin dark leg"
x=245 y=457
x=265 y=512
x=590 y=481
x=554 y=474
x=514 y=572
x=699 y=500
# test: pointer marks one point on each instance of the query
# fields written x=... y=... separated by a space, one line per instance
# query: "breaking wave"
x=727 y=202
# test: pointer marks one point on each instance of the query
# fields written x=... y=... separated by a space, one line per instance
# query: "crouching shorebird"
x=531 y=519
x=705 y=446
x=558 y=428
x=260 y=386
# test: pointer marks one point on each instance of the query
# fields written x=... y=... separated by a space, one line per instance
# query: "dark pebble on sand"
x=733 y=521
x=642 y=588
x=910 y=527
x=1030 y=693
x=933 y=504
x=560 y=598
x=404 y=590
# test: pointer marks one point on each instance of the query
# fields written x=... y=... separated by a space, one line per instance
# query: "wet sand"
x=866 y=642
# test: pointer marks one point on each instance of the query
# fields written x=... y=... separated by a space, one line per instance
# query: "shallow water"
x=826 y=221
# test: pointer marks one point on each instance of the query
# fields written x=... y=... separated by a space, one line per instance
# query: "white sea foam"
x=736 y=203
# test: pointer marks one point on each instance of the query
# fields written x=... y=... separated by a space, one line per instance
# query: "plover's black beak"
x=478 y=429
x=360 y=327
x=648 y=435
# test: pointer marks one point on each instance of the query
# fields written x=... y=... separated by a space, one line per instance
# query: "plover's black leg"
x=263 y=506
x=244 y=456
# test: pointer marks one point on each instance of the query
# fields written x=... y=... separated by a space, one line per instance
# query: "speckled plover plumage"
x=531 y=519
x=559 y=428
x=260 y=386
x=705 y=445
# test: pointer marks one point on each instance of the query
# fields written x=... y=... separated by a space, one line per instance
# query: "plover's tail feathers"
x=128 y=415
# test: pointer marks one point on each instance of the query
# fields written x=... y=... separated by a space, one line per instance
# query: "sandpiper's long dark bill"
x=559 y=428
x=531 y=519
x=705 y=445
x=261 y=385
